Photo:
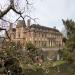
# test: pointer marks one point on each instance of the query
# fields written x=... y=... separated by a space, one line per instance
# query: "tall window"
x=19 y=34
x=14 y=36
x=42 y=34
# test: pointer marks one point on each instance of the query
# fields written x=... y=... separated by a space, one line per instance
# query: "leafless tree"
x=13 y=6
x=16 y=6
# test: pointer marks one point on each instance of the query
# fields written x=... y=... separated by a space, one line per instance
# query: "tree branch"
x=11 y=6
x=5 y=20
x=5 y=31
x=4 y=12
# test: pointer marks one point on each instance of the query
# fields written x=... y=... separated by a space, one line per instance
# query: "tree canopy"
x=69 y=50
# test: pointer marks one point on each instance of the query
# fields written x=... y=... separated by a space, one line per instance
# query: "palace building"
x=40 y=36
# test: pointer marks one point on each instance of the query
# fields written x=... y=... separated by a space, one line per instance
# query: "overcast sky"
x=51 y=12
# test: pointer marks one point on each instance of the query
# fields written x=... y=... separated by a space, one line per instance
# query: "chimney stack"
x=54 y=27
x=11 y=26
x=28 y=22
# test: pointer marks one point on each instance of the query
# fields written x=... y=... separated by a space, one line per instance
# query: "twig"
x=5 y=20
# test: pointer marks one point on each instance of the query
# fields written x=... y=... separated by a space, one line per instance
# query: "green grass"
x=57 y=63
x=47 y=68
x=65 y=69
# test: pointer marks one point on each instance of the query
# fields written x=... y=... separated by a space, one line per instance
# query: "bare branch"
x=17 y=19
x=4 y=12
x=1 y=29
x=11 y=6
x=7 y=34
x=27 y=2
x=34 y=19
x=5 y=20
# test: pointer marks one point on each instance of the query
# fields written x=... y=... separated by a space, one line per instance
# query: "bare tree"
x=18 y=8
x=15 y=6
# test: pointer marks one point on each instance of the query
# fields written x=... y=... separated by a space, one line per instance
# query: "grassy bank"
x=49 y=68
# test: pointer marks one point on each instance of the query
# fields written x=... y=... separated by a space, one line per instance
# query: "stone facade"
x=40 y=36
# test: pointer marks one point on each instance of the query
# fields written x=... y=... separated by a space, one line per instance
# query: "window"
x=19 y=35
x=14 y=36
x=42 y=34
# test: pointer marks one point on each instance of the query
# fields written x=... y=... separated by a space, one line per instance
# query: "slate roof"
x=43 y=27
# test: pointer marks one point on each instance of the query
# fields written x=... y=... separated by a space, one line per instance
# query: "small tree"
x=69 y=50
x=12 y=57
x=34 y=52
x=13 y=65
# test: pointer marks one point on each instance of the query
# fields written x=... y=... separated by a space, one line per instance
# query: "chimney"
x=28 y=22
x=54 y=27
x=11 y=26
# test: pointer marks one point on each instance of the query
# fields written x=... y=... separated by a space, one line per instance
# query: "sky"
x=50 y=12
